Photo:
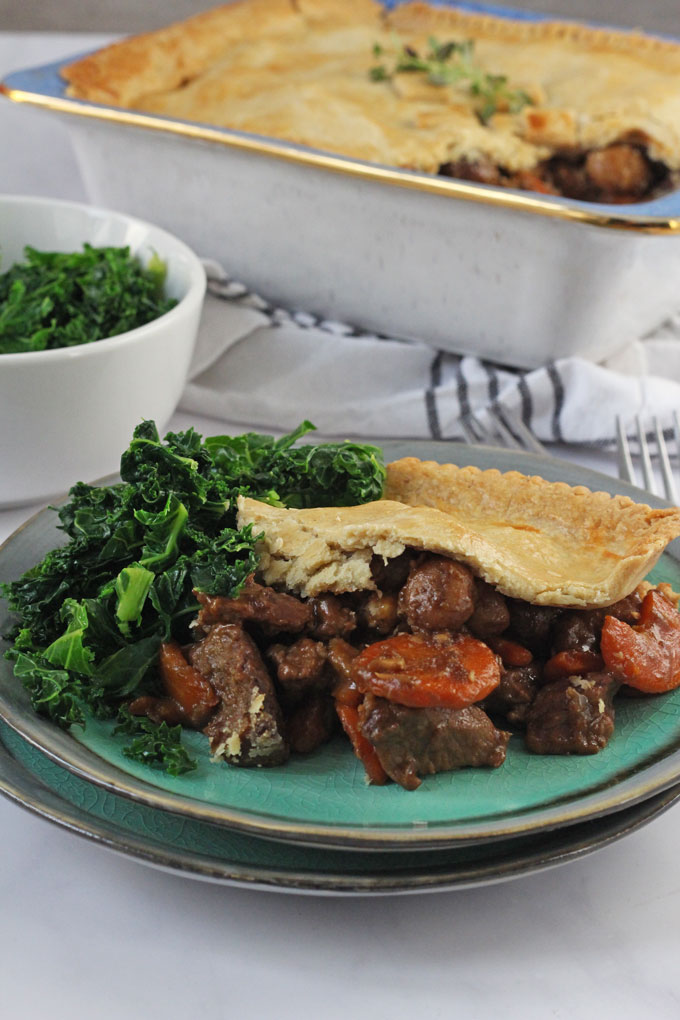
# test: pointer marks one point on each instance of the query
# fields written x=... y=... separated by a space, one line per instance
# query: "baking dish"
x=514 y=277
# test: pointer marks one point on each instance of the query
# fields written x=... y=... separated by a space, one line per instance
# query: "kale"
x=155 y=744
x=92 y=615
x=62 y=299
x=275 y=470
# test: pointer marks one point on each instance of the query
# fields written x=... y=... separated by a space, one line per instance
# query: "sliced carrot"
x=182 y=682
x=571 y=663
x=645 y=656
x=364 y=750
x=428 y=671
x=511 y=652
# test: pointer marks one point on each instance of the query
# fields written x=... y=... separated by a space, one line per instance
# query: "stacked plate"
x=313 y=824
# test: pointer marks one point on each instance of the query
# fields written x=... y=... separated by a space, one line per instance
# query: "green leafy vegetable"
x=452 y=63
x=155 y=744
x=93 y=614
x=132 y=587
x=61 y=299
x=330 y=474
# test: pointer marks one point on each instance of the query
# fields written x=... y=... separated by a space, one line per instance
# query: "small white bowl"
x=66 y=415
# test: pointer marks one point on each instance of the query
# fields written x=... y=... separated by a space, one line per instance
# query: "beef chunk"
x=331 y=617
x=481 y=170
x=491 y=615
x=414 y=742
x=515 y=693
x=378 y=612
x=573 y=715
x=341 y=656
x=580 y=629
x=619 y=171
x=299 y=667
x=390 y=575
x=627 y=609
x=570 y=177
x=532 y=625
x=311 y=723
x=275 y=610
x=438 y=595
x=246 y=728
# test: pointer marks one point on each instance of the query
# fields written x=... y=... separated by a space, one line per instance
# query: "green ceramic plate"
x=216 y=853
x=324 y=799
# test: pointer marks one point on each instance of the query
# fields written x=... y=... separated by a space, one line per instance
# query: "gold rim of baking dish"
x=487 y=195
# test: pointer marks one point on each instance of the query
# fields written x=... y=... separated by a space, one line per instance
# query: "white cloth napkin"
x=271 y=368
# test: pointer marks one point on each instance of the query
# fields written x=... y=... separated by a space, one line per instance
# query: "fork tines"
x=500 y=427
x=650 y=451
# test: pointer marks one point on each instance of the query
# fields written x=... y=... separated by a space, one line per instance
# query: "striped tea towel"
x=269 y=368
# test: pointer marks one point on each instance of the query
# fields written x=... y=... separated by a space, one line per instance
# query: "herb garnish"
x=93 y=613
x=450 y=63
x=62 y=299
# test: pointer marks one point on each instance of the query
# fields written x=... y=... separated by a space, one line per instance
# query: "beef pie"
x=478 y=604
x=430 y=625
x=554 y=107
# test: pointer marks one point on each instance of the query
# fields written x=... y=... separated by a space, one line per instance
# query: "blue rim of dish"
x=43 y=86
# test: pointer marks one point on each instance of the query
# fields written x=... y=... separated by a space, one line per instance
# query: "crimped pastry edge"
x=420 y=17
x=564 y=508
x=99 y=77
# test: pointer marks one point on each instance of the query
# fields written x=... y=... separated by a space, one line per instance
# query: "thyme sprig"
x=450 y=63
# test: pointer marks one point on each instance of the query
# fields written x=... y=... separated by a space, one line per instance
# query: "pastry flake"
x=550 y=106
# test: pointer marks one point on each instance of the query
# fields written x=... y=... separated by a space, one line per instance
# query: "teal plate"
x=197 y=849
x=323 y=798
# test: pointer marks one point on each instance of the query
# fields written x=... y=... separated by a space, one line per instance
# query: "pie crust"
x=544 y=542
x=299 y=70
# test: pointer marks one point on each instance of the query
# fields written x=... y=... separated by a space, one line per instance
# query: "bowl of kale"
x=99 y=314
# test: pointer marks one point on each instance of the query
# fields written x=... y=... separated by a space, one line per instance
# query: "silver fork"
x=657 y=450
x=500 y=427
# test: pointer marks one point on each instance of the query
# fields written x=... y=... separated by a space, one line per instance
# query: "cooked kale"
x=93 y=614
x=155 y=744
x=62 y=299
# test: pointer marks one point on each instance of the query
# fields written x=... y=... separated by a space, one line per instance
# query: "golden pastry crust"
x=329 y=549
x=299 y=70
x=163 y=60
x=543 y=542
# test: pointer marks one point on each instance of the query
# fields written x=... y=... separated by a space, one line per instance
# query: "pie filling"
x=431 y=671
x=619 y=173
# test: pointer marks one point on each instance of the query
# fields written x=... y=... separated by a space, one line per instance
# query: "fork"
x=501 y=428
x=658 y=450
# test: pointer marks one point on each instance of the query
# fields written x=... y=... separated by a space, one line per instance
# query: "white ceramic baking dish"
x=514 y=277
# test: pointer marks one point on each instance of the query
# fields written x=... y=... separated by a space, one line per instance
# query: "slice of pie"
x=547 y=543
x=554 y=107
x=478 y=604
x=431 y=628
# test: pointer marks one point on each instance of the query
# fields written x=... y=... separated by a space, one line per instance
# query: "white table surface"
x=87 y=933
